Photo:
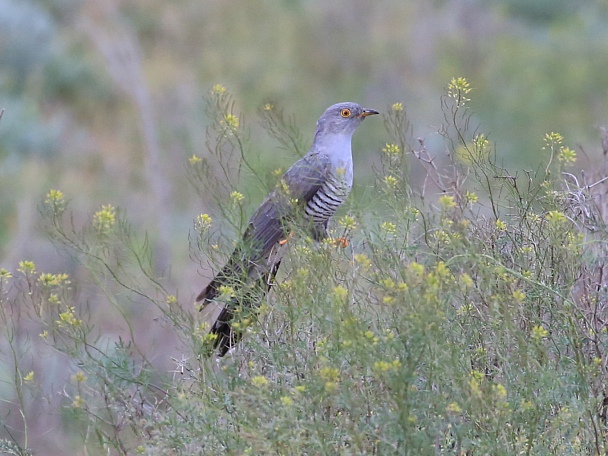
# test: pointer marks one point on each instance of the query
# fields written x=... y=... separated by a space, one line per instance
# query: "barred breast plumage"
x=324 y=204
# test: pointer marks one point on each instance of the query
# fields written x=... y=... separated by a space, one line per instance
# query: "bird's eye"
x=345 y=112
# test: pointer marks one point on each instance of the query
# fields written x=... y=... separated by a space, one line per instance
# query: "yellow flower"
x=526 y=405
x=78 y=402
x=384 y=366
x=500 y=391
x=347 y=222
x=79 y=377
x=415 y=273
x=226 y=291
x=286 y=401
x=552 y=139
x=55 y=199
x=519 y=295
x=381 y=366
x=268 y=107
x=388 y=283
x=539 y=332
x=67 y=318
x=397 y=107
x=471 y=197
x=475 y=380
x=53 y=196
x=232 y=121
x=195 y=160
x=457 y=89
x=29 y=377
x=218 y=89
x=442 y=271
x=259 y=381
x=389 y=227
x=464 y=309
x=27 y=268
x=203 y=222
x=50 y=280
x=237 y=197
x=302 y=273
x=453 y=407
x=447 y=201
x=466 y=280
x=363 y=260
x=391 y=149
x=391 y=181
x=330 y=374
x=566 y=155
x=340 y=292
x=481 y=142
x=331 y=387
x=556 y=218
x=104 y=219
x=500 y=225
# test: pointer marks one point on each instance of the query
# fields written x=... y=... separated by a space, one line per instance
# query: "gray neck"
x=334 y=145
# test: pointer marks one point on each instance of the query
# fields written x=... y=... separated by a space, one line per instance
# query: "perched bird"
x=308 y=194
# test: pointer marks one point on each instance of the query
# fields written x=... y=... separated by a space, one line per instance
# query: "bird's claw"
x=282 y=242
x=341 y=242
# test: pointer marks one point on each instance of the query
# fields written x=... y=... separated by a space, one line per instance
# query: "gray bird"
x=308 y=194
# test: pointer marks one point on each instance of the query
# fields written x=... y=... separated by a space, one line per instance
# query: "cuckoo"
x=307 y=196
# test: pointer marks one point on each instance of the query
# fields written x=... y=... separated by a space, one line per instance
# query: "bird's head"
x=343 y=118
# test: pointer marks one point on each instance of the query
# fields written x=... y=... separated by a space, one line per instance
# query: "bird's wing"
x=296 y=188
x=267 y=225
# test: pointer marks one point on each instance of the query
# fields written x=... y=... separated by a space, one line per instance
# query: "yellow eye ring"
x=345 y=112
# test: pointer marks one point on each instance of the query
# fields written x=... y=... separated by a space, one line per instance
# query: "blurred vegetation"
x=110 y=101
x=73 y=119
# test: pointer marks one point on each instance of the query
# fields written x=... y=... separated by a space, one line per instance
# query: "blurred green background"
x=103 y=99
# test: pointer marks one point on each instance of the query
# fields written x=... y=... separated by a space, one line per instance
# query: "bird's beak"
x=368 y=112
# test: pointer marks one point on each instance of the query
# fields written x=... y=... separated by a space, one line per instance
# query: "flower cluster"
x=457 y=89
x=104 y=219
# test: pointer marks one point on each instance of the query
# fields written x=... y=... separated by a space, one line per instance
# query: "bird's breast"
x=329 y=197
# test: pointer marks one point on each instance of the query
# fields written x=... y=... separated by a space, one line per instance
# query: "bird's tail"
x=246 y=294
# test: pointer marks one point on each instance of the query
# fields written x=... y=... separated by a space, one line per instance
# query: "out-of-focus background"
x=104 y=99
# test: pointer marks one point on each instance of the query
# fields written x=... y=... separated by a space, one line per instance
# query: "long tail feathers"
x=247 y=297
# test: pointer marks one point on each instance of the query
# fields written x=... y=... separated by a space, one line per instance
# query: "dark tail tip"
x=227 y=336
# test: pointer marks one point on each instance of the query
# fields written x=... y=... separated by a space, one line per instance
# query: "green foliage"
x=464 y=317
x=542 y=11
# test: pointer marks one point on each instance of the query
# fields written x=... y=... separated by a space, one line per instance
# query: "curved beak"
x=368 y=112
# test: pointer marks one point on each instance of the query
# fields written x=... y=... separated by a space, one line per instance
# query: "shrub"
x=465 y=316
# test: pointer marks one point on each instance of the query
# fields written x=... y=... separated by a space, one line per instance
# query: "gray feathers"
x=310 y=192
